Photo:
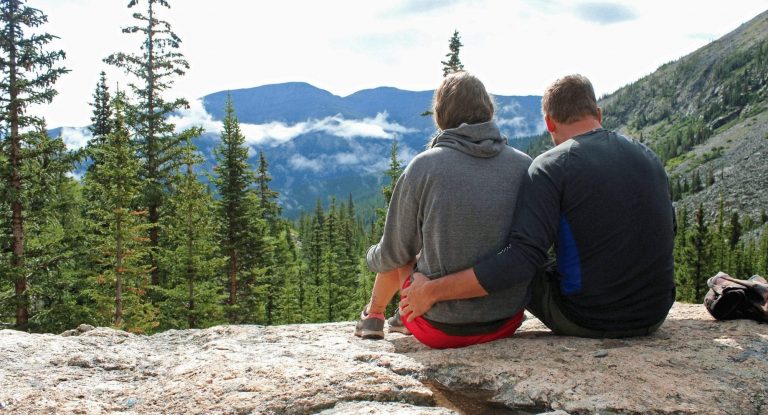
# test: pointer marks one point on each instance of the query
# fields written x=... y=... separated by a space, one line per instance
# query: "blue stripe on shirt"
x=568 y=260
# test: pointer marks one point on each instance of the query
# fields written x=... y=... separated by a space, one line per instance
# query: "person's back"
x=462 y=194
x=615 y=227
x=452 y=206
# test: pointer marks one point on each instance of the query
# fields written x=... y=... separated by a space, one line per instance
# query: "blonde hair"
x=461 y=98
x=569 y=99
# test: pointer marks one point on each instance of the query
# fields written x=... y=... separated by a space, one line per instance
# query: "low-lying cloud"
x=276 y=133
x=513 y=124
x=519 y=126
x=358 y=156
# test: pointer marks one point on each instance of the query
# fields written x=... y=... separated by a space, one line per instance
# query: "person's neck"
x=567 y=131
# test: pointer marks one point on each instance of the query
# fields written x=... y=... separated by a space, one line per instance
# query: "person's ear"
x=550 y=123
x=599 y=115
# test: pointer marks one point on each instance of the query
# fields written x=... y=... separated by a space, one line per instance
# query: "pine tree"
x=101 y=120
x=53 y=233
x=329 y=269
x=683 y=277
x=290 y=299
x=393 y=173
x=267 y=197
x=276 y=260
x=161 y=149
x=761 y=257
x=453 y=64
x=194 y=296
x=699 y=241
x=314 y=253
x=719 y=248
x=28 y=74
x=121 y=283
x=233 y=180
x=734 y=230
x=256 y=263
x=696 y=185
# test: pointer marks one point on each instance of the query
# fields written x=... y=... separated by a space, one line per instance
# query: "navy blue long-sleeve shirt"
x=603 y=201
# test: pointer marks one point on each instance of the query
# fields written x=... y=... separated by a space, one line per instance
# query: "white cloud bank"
x=75 y=138
x=369 y=162
x=508 y=118
x=276 y=133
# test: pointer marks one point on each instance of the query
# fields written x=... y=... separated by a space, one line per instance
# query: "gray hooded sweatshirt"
x=454 y=204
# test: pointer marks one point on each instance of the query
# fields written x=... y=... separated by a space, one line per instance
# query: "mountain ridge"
x=706 y=116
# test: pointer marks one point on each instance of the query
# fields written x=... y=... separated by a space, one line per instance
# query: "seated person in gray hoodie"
x=451 y=207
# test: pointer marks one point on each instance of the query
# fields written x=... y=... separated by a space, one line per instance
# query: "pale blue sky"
x=515 y=47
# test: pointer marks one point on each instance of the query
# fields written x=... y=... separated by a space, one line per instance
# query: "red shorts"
x=435 y=338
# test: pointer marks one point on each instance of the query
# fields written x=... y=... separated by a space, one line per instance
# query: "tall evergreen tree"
x=161 y=149
x=28 y=74
x=329 y=269
x=270 y=210
x=53 y=233
x=761 y=263
x=101 y=120
x=682 y=270
x=194 y=296
x=699 y=243
x=120 y=246
x=734 y=229
x=291 y=298
x=453 y=64
x=276 y=260
x=314 y=251
x=393 y=174
x=233 y=180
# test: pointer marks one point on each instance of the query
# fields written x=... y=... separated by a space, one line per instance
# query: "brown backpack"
x=731 y=298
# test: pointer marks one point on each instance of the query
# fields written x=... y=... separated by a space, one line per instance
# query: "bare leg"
x=385 y=287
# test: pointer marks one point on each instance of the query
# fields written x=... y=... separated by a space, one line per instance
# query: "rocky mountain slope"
x=706 y=115
x=692 y=365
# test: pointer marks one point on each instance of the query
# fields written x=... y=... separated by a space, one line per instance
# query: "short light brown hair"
x=569 y=99
x=461 y=98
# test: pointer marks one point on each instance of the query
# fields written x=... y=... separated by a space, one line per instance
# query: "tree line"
x=141 y=243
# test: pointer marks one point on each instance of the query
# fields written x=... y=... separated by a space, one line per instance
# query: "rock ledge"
x=692 y=365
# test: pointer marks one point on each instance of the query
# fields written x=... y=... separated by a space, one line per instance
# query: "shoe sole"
x=370 y=334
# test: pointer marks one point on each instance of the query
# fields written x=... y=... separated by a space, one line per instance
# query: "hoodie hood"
x=482 y=140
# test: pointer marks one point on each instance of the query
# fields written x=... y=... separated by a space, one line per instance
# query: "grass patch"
x=712 y=154
x=673 y=163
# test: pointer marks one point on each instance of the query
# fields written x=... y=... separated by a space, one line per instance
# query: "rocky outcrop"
x=692 y=365
x=739 y=173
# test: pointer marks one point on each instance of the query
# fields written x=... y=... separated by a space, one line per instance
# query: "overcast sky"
x=515 y=47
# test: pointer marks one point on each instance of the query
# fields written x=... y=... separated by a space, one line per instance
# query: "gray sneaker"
x=395 y=323
x=370 y=326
